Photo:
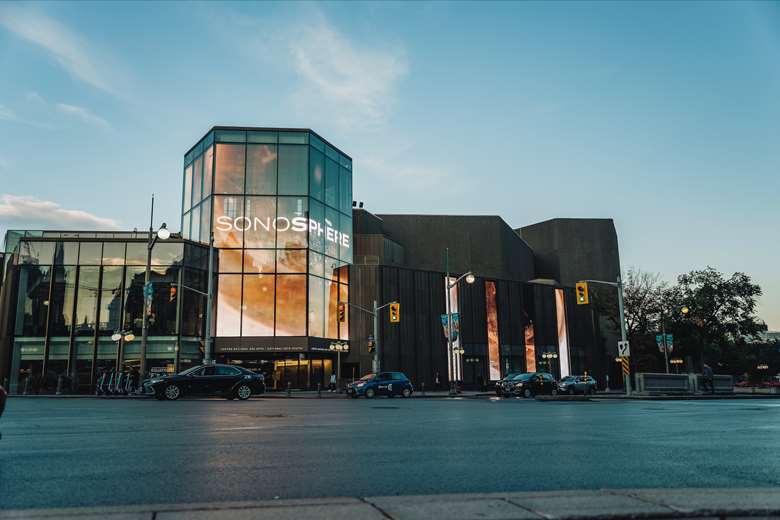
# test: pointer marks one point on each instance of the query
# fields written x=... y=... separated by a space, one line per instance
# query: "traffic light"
x=395 y=312
x=342 y=312
x=371 y=345
x=582 y=293
x=172 y=294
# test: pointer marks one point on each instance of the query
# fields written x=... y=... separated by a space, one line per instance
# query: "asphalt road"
x=73 y=452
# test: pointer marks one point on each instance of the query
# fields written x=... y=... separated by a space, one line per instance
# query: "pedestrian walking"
x=709 y=378
x=437 y=382
x=333 y=381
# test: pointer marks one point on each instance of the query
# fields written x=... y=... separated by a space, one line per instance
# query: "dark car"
x=383 y=383
x=223 y=380
x=504 y=386
x=577 y=385
x=531 y=384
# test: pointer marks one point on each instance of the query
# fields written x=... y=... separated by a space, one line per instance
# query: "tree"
x=720 y=312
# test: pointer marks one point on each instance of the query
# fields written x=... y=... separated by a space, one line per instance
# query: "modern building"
x=277 y=208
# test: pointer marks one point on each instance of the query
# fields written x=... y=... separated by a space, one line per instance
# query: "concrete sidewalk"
x=636 y=503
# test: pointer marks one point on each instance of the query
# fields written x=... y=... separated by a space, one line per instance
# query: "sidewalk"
x=637 y=503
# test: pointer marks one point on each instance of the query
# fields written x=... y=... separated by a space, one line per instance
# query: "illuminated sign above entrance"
x=297 y=224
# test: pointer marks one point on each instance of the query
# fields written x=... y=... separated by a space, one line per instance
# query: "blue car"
x=383 y=383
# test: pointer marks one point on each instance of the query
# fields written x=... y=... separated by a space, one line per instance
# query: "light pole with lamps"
x=470 y=279
x=162 y=234
x=338 y=348
x=549 y=356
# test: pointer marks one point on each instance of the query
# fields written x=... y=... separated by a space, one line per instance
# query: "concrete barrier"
x=648 y=382
x=723 y=384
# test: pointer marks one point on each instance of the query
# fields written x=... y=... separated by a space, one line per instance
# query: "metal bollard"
x=422 y=388
x=319 y=389
x=27 y=385
x=60 y=381
x=289 y=388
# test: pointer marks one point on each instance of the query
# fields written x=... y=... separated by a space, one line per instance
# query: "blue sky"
x=662 y=115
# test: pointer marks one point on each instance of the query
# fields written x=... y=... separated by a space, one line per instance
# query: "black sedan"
x=531 y=384
x=221 y=380
x=504 y=386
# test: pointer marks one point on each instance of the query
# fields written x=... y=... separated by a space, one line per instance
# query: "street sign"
x=659 y=339
x=623 y=350
x=625 y=365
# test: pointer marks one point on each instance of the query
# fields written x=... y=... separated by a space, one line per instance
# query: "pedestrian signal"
x=395 y=312
x=582 y=293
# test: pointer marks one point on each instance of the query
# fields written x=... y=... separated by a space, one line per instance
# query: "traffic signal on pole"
x=371 y=345
x=582 y=293
x=342 y=312
x=172 y=294
x=395 y=312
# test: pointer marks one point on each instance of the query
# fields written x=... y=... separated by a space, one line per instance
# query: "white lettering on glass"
x=296 y=224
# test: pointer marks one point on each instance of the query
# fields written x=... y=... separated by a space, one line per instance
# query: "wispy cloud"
x=83 y=114
x=6 y=114
x=10 y=115
x=357 y=81
x=33 y=212
x=70 y=50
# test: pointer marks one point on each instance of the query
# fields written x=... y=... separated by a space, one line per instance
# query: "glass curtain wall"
x=73 y=296
x=280 y=209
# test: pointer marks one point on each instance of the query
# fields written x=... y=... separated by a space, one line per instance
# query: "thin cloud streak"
x=83 y=114
x=32 y=212
x=68 y=49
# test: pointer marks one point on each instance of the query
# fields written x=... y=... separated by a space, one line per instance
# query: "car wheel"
x=554 y=392
x=406 y=392
x=527 y=393
x=244 y=392
x=370 y=393
x=172 y=392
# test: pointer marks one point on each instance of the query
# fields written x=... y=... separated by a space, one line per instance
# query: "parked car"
x=504 y=386
x=531 y=384
x=383 y=383
x=222 y=380
x=577 y=385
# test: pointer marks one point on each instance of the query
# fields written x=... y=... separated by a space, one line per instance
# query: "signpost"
x=623 y=349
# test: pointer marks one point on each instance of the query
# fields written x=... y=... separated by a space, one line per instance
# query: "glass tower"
x=279 y=205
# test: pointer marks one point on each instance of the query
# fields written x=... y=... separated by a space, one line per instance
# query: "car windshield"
x=367 y=377
x=523 y=377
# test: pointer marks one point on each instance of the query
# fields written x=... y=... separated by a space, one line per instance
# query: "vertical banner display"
x=494 y=363
x=563 y=333
x=453 y=371
x=530 y=348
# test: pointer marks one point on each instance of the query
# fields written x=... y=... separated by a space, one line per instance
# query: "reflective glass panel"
x=114 y=253
x=316 y=175
x=294 y=137
x=316 y=307
x=331 y=309
x=63 y=296
x=262 y=137
x=258 y=315
x=291 y=261
x=345 y=190
x=187 y=204
x=229 y=175
x=205 y=221
x=331 y=183
x=230 y=260
x=208 y=169
x=90 y=253
x=259 y=260
x=293 y=170
x=291 y=223
x=228 y=221
x=344 y=325
x=317 y=229
x=331 y=225
x=229 y=305
x=134 y=298
x=261 y=169
x=164 y=301
x=136 y=253
x=316 y=263
x=345 y=239
x=165 y=253
x=197 y=180
x=195 y=226
x=110 y=319
x=185 y=225
x=66 y=253
x=36 y=253
x=291 y=305
x=87 y=300
x=260 y=214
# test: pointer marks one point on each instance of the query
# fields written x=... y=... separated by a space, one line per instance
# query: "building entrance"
x=299 y=371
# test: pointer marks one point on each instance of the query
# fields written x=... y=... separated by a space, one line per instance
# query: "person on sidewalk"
x=708 y=379
x=437 y=382
x=332 y=385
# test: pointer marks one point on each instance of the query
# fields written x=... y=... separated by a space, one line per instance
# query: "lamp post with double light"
x=470 y=279
x=338 y=347
x=161 y=234
x=548 y=357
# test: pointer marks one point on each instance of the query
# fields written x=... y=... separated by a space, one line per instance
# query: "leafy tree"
x=720 y=312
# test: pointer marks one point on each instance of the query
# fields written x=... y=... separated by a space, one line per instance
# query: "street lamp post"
x=161 y=234
x=470 y=278
x=338 y=347
x=549 y=356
